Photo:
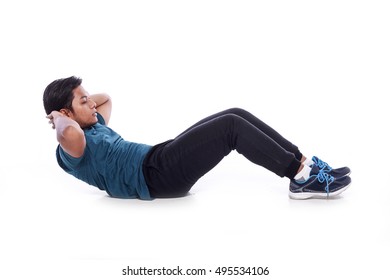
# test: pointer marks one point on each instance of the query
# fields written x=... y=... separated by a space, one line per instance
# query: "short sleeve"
x=66 y=161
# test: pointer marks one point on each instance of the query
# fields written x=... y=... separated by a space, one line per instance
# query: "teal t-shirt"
x=109 y=163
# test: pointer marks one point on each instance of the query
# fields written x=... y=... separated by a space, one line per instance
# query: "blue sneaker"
x=319 y=185
x=336 y=173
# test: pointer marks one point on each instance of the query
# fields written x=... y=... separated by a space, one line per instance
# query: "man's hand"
x=53 y=116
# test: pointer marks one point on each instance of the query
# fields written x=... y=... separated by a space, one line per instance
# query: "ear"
x=66 y=112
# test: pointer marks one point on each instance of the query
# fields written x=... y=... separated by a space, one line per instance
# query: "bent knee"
x=231 y=120
x=236 y=111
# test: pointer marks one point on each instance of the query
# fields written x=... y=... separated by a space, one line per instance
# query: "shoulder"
x=66 y=161
x=100 y=119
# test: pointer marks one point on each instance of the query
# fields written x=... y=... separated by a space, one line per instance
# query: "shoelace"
x=322 y=165
x=322 y=177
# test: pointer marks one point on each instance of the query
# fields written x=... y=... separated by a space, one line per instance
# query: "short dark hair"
x=59 y=94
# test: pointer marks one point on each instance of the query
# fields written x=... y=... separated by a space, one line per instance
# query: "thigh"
x=216 y=115
x=259 y=124
x=176 y=165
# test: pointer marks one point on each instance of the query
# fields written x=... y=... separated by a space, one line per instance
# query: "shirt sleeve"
x=66 y=161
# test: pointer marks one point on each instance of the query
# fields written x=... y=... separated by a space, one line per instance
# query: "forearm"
x=103 y=105
x=100 y=99
x=65 y=127
x=69 y=133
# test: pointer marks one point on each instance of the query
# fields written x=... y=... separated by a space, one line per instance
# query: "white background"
x=317 y=71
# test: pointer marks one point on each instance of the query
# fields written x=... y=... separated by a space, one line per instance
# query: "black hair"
x=59 y=94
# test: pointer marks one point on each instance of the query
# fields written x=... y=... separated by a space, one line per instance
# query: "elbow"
x=72 y=140
x=69 y=132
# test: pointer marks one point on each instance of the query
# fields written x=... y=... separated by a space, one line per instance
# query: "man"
x=89 y=150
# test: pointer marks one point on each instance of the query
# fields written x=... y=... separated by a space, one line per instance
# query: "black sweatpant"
x=173 y=167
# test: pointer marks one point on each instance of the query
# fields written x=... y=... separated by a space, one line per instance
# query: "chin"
x=95 y=121
x=89 y=124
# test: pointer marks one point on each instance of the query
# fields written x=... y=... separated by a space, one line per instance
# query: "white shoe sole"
x=307 y=195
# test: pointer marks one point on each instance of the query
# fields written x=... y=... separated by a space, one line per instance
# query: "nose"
x=92 y=103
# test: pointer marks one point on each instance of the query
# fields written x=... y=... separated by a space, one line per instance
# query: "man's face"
x=84 y=108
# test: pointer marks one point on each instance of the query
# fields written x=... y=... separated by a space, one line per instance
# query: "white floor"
x=238 y=215
x=317 y=73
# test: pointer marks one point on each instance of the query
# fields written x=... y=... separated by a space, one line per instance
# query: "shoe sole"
x=307 y=195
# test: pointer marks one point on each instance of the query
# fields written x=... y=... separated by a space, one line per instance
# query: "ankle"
x=306 y=161
x=300 y=168
x=303 y=173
